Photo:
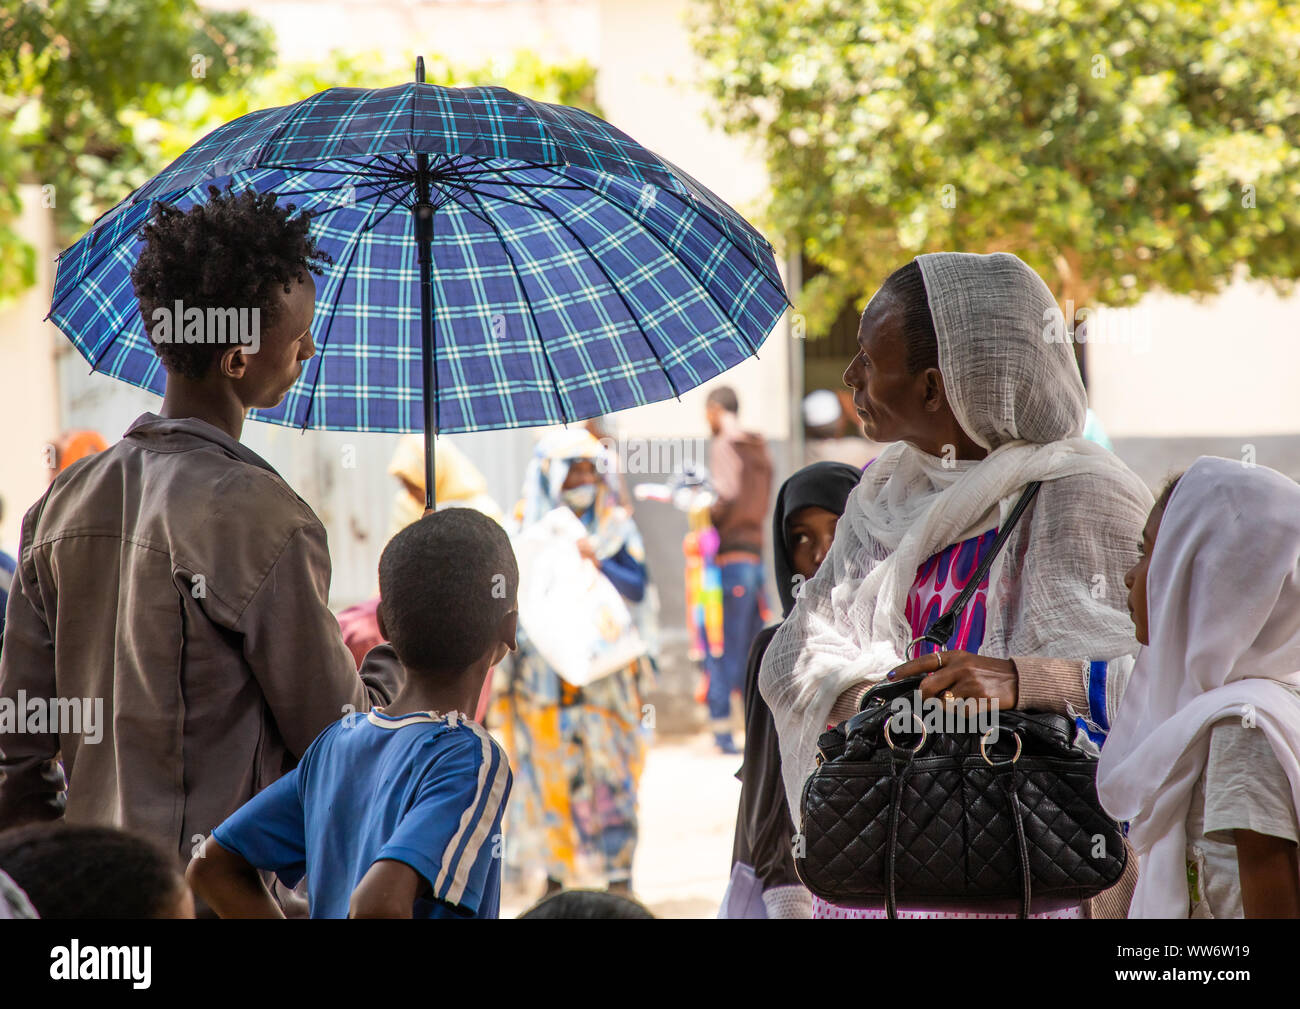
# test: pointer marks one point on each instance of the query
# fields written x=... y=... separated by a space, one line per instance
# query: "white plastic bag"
x=572 y=614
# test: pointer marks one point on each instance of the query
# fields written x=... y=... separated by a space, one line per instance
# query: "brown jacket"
x=178 y=578
x=741 y=470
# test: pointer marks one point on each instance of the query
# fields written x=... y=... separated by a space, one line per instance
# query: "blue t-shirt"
x=423 y=790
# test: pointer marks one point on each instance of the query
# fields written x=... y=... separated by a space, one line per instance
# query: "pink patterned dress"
x=938 y=581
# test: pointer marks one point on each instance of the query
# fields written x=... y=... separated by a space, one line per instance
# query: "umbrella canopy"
x=570 y=272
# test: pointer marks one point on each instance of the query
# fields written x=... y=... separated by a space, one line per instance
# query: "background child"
x=1202 y=755
x=396 y=813
x=93 y=872
x=808 y=507
x=588 y=905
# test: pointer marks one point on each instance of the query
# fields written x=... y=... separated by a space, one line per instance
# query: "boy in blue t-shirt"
x=397 y=813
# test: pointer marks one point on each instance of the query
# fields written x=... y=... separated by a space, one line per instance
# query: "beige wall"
x=470 y=31
x=647 y=86
x=29 y=405
x=1178 y=367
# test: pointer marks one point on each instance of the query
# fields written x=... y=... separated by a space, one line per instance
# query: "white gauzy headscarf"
x=1223 y=612
x=1056 y=590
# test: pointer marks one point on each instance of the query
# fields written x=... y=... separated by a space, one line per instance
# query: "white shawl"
x=1056 y=590
x=1223 y=603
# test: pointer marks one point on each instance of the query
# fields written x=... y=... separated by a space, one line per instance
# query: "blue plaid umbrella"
x=541 y=266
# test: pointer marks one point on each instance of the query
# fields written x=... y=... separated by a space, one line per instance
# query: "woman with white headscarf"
x=963 y=366
x=1202 y=759
x=577 y=752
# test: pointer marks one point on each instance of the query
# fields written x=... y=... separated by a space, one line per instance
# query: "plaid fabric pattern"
x=575 y=273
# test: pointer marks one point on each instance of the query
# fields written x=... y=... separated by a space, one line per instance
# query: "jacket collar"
x=159 y=435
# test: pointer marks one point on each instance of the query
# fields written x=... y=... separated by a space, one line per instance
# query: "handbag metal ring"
x=917 y=719
x=984 y=752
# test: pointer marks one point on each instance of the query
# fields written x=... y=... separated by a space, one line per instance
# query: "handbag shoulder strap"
x=943 y=626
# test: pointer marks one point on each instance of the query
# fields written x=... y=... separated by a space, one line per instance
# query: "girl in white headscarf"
x=1202 y=760
x=963 y=366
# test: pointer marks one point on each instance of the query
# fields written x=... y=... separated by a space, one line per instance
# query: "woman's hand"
x=587 y=549
x=965 y=675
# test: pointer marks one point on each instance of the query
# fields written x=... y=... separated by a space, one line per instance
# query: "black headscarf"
x=822 y=485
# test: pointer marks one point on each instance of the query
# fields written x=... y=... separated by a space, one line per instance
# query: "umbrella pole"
x=422 y=212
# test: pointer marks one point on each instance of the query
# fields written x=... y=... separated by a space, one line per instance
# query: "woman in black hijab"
x=763 y=880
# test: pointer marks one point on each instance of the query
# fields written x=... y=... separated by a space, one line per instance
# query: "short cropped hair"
x=907 y=286
x=587 y=904
x=725 y=397
x=445 y=584
x=73 y=871
x=229 y=252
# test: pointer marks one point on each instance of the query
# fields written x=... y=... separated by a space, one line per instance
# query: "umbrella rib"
x=369 y=166
x=525 y=186
x=609 y=280
x=104 y=348
x=753 y=349
x=104 y=253
x=94 y=365
x=296 y=168
x=498 y=196
x=519 y=280
x=485 y=169
x=479 y=177
x=735 y=245
x=305 y=169
x=389 y=163
x=324 y=342
x=377 y=195
x=377 y=184
x=388 y=210
x=403 y=164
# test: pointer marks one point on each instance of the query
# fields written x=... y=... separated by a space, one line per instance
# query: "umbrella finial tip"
x=419 y=70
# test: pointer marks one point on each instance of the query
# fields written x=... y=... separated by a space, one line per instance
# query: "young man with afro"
x=176 y=576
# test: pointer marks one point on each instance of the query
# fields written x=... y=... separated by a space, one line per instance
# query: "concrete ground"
x=688 y=803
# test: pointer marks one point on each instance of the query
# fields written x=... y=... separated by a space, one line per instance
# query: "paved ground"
x=688 y=815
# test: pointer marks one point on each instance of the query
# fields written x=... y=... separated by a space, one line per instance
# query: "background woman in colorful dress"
x=577 y=753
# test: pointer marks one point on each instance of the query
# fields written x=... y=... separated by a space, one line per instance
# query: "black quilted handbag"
x=994 y=822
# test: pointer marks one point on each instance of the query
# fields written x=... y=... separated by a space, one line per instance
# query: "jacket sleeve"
x=294 y=646
x=32 y=785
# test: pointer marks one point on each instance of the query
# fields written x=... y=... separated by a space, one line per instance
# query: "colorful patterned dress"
x=938 y=581
x=577 y=754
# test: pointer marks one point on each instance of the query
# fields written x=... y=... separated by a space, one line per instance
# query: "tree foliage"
x=1116 y=146
x=70 y=71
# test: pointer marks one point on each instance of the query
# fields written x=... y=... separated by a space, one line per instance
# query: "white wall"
x=1224 y=366
x=469 y=31
x=647 y=86
x=29 y=407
